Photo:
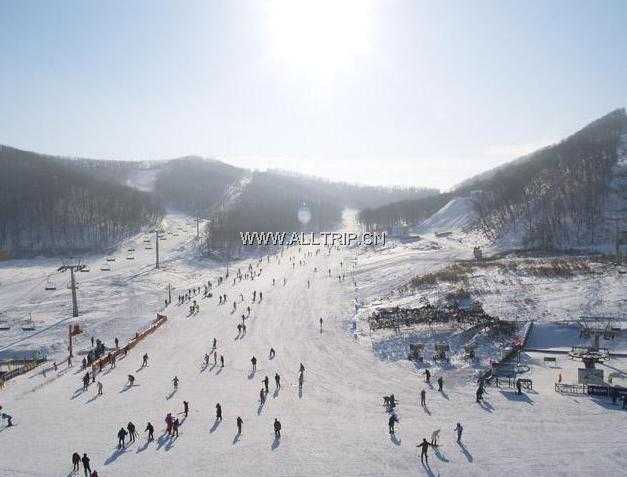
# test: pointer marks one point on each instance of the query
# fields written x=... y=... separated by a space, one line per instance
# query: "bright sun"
x=320 y=36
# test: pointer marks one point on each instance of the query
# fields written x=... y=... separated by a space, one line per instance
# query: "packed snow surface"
x=457 y=214
x=335 y=426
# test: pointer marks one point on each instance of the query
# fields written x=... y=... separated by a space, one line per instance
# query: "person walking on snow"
x=459 y=429
x=253 y=361
x=218 y=412
x=265 y=382
x=131 y=432
x=239 y=423
x=168 y=423
x=262 y=397
x=272 y=353
x=423 y=395
x=185 y=408
x=427 y=376
x=221 y=361
x=175 y=427
x=440 y=383
x=277 y=428
x=99 y=388
x=175 y=382
x=151 y=430
x=277 y=380
x=86 y=466
x=76 y=460
x=121 y=436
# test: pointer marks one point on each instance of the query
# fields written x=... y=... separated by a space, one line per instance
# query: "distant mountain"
x=49 y=206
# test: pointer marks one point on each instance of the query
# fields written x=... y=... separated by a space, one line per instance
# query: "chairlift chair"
x=50 y=286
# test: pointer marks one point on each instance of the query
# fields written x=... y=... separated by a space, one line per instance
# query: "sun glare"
x=320 y=36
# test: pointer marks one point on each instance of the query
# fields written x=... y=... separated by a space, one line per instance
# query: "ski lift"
x=110 y=259
x=50 y=286
x=130 y=257
x=131 y=250
x=147 y=240
x=85 y=269
x=148 y=247
x=105 y=268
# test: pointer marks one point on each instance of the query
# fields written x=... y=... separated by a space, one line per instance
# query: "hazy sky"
x=394 y=92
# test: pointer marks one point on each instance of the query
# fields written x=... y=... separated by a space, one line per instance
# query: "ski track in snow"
x=337 y=427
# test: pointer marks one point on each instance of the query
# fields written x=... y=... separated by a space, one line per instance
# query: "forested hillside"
x=50 y=207
x=558 y=196
x=194 y=184
x=406 y=212
x=269 y=203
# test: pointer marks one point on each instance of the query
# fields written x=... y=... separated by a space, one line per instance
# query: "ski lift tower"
x=77 y=267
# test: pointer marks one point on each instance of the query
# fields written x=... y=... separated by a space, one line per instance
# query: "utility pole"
x=72 y=269
x=156 y=231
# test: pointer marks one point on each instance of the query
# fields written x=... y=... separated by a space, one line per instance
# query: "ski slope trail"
x=336 y=425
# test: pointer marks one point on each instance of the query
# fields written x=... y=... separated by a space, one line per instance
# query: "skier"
x=320 y=323
x=260 y=295
x=185 y=408
x=300 y=380
x=218 y=412
x=459 y=429
x=434 y=437
x=131 y=380
x=117 y=343
x=206 y=360
x=423 y=395
x=518 y=387
x=168 y=423
x=301 y=368
x=145 y=360
x=427 y=376
x=265 y=383
x=393 y=419
x=440 y=383
x=86 y=466
x=215 y=342
x=424 y=446
x=121 y=436
x=99 y=388
x=150 y=429
x=262 y=397
x=131 y=432
x=272 y=353
x=253 y=360
x=277 y=428
x=175 y=382
x=175 y=427
x=76 y=460
x=221 y=361
x=85 y=381
x=277 y=380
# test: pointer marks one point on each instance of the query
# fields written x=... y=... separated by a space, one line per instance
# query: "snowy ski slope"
x=337 y=426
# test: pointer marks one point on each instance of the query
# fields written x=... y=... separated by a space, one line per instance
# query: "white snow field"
x=337 y=425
